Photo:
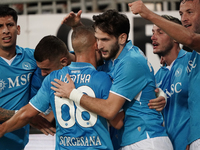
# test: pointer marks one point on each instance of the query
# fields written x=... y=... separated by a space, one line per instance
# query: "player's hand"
x=43 y=125
x=158 y=103
x=188 y=147
x=63 y=89
x=72 y=19
x=138 y=7
x=2 y=129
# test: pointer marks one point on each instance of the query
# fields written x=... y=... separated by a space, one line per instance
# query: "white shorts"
x=157 y=143
x=195 y=145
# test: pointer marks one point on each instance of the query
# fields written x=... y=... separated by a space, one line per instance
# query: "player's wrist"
x=76 y=95
x=162 y=93
x=16 y=111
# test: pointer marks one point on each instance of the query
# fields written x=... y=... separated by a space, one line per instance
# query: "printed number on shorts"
x=75 y=113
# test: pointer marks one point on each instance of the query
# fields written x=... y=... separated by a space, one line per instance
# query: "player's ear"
x=122 y=38
x=64 y=61
x=95 y=45
x=18 y=30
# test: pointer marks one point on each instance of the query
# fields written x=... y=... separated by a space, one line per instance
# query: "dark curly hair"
x=112 y=22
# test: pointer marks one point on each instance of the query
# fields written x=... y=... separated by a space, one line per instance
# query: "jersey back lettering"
x=77 y=128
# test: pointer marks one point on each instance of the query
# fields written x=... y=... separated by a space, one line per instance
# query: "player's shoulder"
x=135 y=54
x=25 y=51
x=184 y=54
x=101 y=76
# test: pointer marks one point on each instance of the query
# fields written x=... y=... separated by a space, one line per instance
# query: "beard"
x=166 y=51
x=113 y=52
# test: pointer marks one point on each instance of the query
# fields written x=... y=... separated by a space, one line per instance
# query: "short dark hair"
x=112 y=22
x=171 y=18
x=50 y=47
x=7 y=11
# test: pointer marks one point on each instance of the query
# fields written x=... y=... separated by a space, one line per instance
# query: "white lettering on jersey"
x=175 y=88
x=81 y=78
x=18 y=81
x=191 y=65
x=78 y=78
x=75 y=114
x=80 y=141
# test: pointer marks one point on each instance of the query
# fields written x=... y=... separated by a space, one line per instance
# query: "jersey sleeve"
x=105 y=85
x=36 y=82
x=41 y=101
x=130 y=78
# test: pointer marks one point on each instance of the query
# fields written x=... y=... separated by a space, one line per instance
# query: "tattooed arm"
x=6 y=114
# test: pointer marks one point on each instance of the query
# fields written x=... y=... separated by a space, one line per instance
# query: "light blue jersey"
x=14 y=93
x=174 y=83
x=133 y=79
x=77 y=128
x=36 y=82
x=194 y=96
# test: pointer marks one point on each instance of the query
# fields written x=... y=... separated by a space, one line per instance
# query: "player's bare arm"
x=6 y=114
x=118 y=121
x=184 y=37
x=38 y=122
x=73 y=20
x=105 y=108
x=20 y=119
x=42 y=124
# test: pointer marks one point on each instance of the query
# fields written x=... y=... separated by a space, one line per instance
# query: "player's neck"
x=87 y=59
x=7 y=53
x=171 y=56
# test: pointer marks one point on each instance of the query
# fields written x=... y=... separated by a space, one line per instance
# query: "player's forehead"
x=6 y=19
x=189 y=4
x=45 y=64
x=184 y=1
x=156 y=28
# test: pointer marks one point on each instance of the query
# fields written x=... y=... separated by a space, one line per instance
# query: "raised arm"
x=73 y=20
x=184 y=36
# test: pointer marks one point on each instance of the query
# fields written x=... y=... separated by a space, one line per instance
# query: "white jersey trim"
x=120 y=95
x=9 y=62
x=35 y=107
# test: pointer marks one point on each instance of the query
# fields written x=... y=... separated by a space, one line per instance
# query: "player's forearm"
x=118 y=121
x=6 y=114
x=99 y=106
x=184 y=36
x=19 y=120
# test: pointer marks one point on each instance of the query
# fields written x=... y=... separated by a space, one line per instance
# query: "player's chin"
x=106 y=57
x=155 y=51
